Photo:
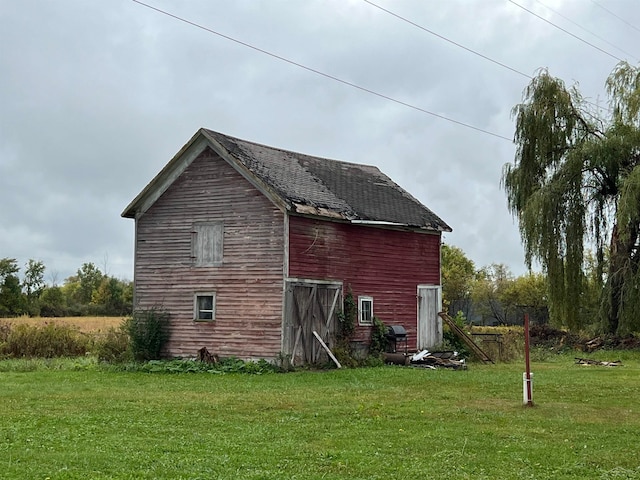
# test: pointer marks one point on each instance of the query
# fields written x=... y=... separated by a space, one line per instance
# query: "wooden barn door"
x=309 y=307
x=429 y=323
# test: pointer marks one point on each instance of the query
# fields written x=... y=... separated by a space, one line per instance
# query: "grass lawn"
x=373 y=423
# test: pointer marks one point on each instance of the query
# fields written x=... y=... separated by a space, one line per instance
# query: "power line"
x=615 y=15
x=318 y=72
x=588 y=31
x=404 y=19
x=565 y=31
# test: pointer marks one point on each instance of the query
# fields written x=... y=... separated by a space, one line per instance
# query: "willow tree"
x=575 y=185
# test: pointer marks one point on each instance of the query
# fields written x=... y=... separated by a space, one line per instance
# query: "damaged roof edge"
x=394 y=224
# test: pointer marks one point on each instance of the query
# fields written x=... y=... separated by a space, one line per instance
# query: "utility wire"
x=615 y=15
x=565 y=31
x=585 y=30
x=404 y=19
x=326 y=75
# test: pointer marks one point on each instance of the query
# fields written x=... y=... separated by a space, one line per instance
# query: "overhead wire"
x=565 y=31
x=323 y=74
x=404 y=19
x=586 y=30
x=615 y=15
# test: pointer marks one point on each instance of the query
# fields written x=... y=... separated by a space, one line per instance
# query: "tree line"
x=491 y=294
x=88 y=292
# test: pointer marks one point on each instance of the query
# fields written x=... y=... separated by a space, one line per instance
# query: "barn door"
x=310 y=307
x=429 y=323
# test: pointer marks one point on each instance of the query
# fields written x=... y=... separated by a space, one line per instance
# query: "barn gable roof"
x=302 y=184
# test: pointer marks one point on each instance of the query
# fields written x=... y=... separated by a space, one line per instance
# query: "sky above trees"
x=98 y=96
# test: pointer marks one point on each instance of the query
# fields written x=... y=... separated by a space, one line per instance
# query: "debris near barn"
x=588 y=361
x=552 y=338
x=426 y=359
x=478 y=352
x=205 y=356
x=434 y=360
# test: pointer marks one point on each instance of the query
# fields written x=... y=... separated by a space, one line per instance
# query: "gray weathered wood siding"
x=249 y=282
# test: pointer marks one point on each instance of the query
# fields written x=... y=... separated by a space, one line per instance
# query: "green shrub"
x=148 y=331
x=113 y=347
x=379 y=339
x=225 y=365
x=347 y=320
x=47 y=341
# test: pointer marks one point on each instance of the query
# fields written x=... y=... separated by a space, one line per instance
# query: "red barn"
x=251 y=248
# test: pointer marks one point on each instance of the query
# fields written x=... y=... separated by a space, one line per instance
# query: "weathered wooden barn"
x=251 y=248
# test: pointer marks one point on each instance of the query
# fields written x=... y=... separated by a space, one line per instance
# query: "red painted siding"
x=248 y=284
x=385 y=264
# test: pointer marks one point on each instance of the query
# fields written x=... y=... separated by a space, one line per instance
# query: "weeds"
x=113 y=347
x=148 y=332
x=47 y=341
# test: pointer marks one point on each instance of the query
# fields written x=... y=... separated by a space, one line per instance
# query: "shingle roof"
x=332 y=188
x=307 y=185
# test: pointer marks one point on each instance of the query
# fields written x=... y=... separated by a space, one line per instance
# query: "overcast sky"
x=96 y=97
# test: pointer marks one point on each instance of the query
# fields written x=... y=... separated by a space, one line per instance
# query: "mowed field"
x=78 y=420
x=84 y=324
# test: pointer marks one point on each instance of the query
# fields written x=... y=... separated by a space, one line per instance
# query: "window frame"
x=197 y=310
x=362 y=299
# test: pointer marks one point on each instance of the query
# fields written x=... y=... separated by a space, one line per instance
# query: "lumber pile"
x=206 y=356
x=427 y=359
x=588 y=361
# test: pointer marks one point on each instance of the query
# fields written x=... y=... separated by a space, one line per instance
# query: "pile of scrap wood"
x=587 y=361
x=206 y=356
x=433 y=360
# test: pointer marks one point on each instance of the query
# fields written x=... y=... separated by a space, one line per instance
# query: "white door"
x=429 y=322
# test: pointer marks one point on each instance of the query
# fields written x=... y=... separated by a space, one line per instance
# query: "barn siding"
x=248 y=284
x=383 y=263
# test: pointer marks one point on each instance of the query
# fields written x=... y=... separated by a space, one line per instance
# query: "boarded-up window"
x=206 y=243
x=205 y=307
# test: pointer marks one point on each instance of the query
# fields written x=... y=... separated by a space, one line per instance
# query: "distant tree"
x=575 y=181
x=89 y=278
x=33 y=285
x=489 y=290
x=12 y=302
x=458 y=275
x=526 y=293
x=112 y=297
x=53 y=302
x=70 y=288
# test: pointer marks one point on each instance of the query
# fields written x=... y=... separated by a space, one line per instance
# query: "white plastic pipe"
x=527 y=389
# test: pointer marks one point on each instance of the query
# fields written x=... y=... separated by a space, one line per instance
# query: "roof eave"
x=181 y=160
x=159 y=184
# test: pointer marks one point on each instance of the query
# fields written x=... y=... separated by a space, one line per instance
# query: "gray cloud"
x=96 y=97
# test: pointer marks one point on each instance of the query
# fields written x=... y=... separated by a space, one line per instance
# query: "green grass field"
x=373 y=423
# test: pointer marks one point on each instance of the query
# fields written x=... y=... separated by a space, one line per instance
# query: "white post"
x=527 y=389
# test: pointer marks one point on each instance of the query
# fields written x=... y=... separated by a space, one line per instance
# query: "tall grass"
x=51 y=340
x=83 y=324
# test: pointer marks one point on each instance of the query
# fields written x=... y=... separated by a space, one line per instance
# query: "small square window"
x=205 y=307
x=365 y=310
